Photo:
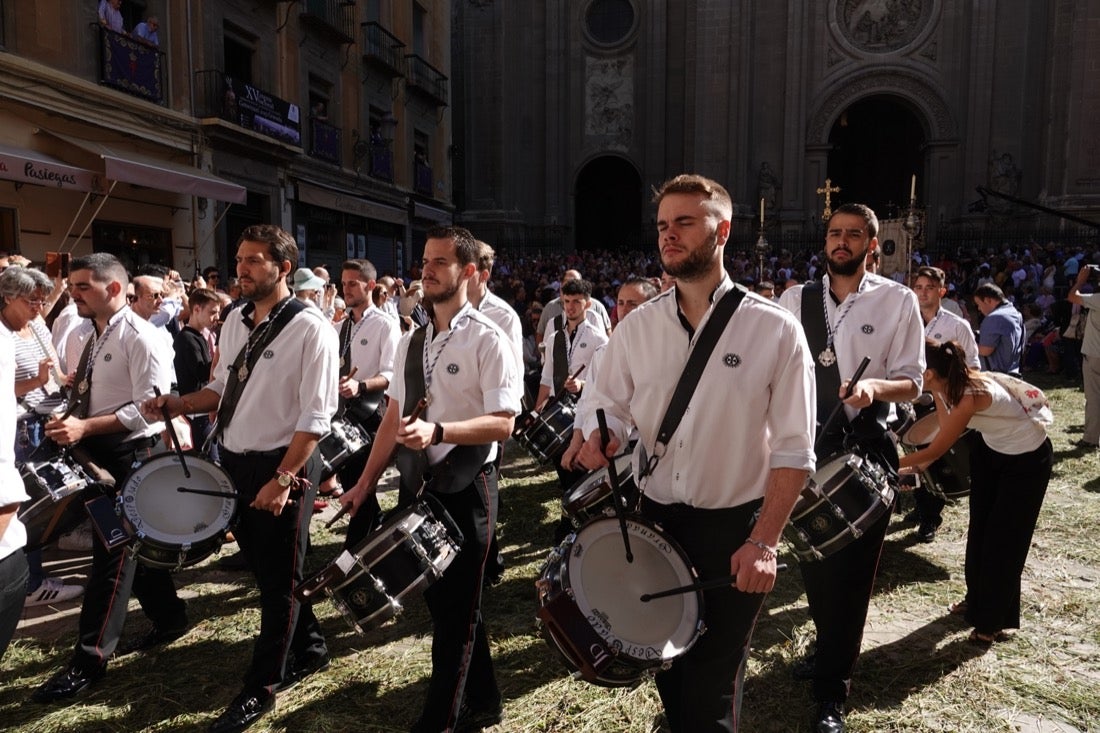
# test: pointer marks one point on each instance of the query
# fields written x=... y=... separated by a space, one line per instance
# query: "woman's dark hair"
x=949 y=361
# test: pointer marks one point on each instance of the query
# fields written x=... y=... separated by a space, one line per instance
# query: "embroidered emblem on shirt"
x=268 y=354
x=584 y=345
x=106 y=357
x=363 y=342
x=452 y=368
x=731 y=360
x=868 y=329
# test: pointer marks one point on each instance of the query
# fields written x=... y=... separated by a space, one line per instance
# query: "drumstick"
x=172 y=434
x=699 y=585
x=46 y=352
x=415 y=415
x=839 y=405
x=613 y=475
x=559 y=397
x=204 y=492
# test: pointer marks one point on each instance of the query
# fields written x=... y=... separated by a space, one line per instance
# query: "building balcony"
x=425 y=78
x=330 y=17
x=223 y=97
x=382 y=49
x=381 y=163
x=422 y=178
x=130 y=65
x=324 y=141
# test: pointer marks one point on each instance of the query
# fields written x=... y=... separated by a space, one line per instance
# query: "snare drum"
x=54 y=508
x=591 y=609
x=343 y=441
x=173 y=529
x=546 y=435
x=948 y=477
x=408 y=552
x=591 y=496
x=845 y=496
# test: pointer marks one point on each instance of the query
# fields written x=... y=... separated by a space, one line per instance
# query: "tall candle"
x=761 y=211
x=913 y=188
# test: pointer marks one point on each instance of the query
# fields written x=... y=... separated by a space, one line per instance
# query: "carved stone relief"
x=609 y=99
x=881 y=26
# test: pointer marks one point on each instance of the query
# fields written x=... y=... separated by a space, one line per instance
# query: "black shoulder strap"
x=234 y=386
x=817 y=336
x=561 y=362
x=697 y=363
x=415 y=387
x=345 y=347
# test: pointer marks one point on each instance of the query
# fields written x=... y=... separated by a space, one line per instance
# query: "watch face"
x=284 y=480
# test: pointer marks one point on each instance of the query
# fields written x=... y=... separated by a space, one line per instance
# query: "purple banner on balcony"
x=326 y=141
x=131 y=65
x=265 y=113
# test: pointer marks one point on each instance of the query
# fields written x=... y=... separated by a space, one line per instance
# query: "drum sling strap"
x=362 y=407
x=693 y=372
x=234 y=386
x=461 y=465
x=561 y=362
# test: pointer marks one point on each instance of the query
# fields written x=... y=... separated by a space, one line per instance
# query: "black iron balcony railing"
x=422 y=178
x=324 y=141
x=219 y=95
x=131 y=65
x=422 y=76
x=334 y=17
x=383 y=49
x=381 y=162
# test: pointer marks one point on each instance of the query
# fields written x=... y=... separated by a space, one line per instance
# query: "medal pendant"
x=341 y=362
x=82 y=387
x=826 y=358
x=242 y=373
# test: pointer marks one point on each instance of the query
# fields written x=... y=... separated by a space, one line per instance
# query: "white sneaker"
x=53 y=590
x=79 y=540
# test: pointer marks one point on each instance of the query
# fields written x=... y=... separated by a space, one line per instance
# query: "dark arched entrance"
x=877 y=146
x=609 y=205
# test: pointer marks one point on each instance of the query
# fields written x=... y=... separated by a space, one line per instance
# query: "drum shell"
x=546 y=435
x=580 y=615
x=591 y=496
x=56 y=506
x=844 y=497
x=344 y=441
x=948 y=477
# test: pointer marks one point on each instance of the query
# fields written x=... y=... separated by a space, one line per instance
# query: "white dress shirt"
x=472 y=374
x=372 y=344
x=11 y=484
x=751 y=412
x=578 y=350
x=597 y=314
x=883 y=323
x=129 y=359
x=67 y=321
x=292 y=388
x=946 y=326
x=505 y=316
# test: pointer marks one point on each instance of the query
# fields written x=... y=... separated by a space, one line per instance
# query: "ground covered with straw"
x=917 y=671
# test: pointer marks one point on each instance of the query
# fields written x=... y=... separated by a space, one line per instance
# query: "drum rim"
x=162 y=540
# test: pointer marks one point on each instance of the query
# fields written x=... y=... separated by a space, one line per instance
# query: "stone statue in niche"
x=1004 y=176
x=768 y=185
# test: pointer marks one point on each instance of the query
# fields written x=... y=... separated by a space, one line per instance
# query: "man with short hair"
x=1090 y=356
x=1001 y=331
x=461 y=362
x=147 y=31
x=570 y=346
x=121 y=365
x=552 y=311
x=492 y=305
x=193 y=356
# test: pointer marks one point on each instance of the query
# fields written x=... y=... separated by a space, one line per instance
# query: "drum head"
x=607 y=589
x=157 y=510
x=922 y=432
x=834 y=470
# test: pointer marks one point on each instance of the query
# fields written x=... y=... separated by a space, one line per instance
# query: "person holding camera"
x=1090 y=353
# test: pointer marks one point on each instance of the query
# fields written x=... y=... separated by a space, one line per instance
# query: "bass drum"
x=590 y=602
x=173 y=528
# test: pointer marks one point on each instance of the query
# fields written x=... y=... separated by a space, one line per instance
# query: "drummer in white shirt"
x=729 y=459
x=13 y=535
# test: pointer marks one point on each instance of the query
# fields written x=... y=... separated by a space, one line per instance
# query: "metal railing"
x=333 y=16
x=381 y=162
x=425 y=77
x=325 y=141
x=384 y=48
x=219 y=95
x=130 y=65
x=422 y=178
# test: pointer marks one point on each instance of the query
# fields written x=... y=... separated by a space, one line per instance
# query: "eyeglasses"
x=34 y=303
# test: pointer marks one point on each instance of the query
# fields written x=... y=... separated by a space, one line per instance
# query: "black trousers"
x=462 y=670
x=701 y=691
x=115 y=574
x=1006 y=494
x=929 y=506
x=275 y=548
x=838 y=590
x=13 y=593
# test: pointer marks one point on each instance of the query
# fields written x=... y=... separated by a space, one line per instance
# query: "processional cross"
x=828 y=190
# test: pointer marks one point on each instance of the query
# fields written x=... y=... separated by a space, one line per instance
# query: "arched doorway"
x=608 y=205
x=876 y=147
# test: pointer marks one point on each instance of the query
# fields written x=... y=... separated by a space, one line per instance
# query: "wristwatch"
x=285 y=479
x=437 y=436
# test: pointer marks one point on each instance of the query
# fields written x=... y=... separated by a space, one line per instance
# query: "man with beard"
x=274 y=390
x=462 y=363
x=707 y=480
x=860 y=314
x=368 y=344
x=121 y=364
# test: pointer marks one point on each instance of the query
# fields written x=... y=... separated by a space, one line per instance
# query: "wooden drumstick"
x=414 y=415
x=613 y=476
x=840 y=405
x=699 y=585
x=172 y=434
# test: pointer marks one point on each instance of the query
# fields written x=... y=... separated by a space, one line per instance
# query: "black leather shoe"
x=235 y=562
x=67 y=683
x=804 y=669
x=474 y=719
x=246 y=709
x=830 y=718
x=296 y=672
x=155 y=638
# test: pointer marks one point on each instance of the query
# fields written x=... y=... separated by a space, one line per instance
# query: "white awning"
x=30 y=166
x=141 y=170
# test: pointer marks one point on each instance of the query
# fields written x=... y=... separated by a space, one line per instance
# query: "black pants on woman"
x=1006 y=494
